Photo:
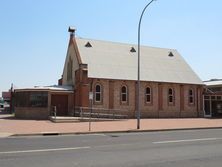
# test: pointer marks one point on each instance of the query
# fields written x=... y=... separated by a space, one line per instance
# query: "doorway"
x=207 y=108
x=61 y=103
x=213 y=106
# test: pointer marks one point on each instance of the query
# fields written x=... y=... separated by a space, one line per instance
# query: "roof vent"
x=132 y=49
x=170 y=54
x=88 y=45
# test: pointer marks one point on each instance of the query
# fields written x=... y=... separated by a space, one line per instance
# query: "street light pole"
x=138 y=75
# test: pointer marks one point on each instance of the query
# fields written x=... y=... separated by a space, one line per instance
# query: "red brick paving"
x=12 y=126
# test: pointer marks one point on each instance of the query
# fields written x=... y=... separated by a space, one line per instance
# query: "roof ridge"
x=123 y=43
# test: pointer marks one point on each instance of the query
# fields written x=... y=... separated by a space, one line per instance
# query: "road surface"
x=194 y=148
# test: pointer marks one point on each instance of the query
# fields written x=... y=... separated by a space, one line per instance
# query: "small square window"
x=218 y=97
x=213 y=97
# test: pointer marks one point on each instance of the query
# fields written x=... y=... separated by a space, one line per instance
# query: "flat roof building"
x=213 y=98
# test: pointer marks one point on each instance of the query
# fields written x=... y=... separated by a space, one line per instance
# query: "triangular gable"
x=72 y=62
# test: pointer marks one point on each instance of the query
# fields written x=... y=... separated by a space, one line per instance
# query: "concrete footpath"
x=9 y=126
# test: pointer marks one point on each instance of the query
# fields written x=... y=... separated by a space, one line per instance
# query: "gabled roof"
x=109 y=60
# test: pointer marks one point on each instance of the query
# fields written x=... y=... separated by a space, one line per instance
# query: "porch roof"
x=214 y=82
x=53 y=88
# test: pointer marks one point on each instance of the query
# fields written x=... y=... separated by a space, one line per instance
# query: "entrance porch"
x=213 y=105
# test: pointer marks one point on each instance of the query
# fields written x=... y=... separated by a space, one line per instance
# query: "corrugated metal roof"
x=214 y=82
x=47 y=88
x=111 y=60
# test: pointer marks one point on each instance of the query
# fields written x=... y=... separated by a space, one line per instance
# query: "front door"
x=61 y=103
x=207 y=108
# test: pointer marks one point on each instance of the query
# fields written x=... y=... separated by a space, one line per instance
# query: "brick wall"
x=159 y=106
x=149 y=109
x=31 y=113
x=129 y=106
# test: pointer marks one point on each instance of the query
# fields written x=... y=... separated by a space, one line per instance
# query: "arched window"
x=148 y=95
x=124 y=94
x=98 y=93
x=171 y=97
x=191 y=96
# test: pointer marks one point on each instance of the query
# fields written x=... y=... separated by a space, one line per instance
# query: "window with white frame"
x=191 y=96
x=148 y=95
x=98 y=93
x=171 y=97
x=124 y=94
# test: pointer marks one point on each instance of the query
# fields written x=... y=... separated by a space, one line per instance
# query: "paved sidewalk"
x=10 y=126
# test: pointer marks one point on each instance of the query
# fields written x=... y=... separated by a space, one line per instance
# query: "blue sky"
x=34 y=37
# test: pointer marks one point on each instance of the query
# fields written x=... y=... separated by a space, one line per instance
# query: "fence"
x=87 y=112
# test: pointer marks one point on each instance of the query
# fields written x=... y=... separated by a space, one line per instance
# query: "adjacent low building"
x=7 y=96
x=213 y=98
x=6 y=101
x=40 y=102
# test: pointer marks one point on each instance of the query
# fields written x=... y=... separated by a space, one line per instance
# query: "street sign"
x=90 y=95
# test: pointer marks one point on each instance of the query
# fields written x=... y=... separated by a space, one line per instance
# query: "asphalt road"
x=193 y=148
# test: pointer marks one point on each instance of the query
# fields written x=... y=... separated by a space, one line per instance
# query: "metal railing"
x=53 y=111
x=87 y=112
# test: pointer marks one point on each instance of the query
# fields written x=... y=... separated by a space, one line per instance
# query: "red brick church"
x=169 y=87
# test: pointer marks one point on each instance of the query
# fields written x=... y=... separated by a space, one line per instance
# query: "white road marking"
x=44 y=150
x=187 y=140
